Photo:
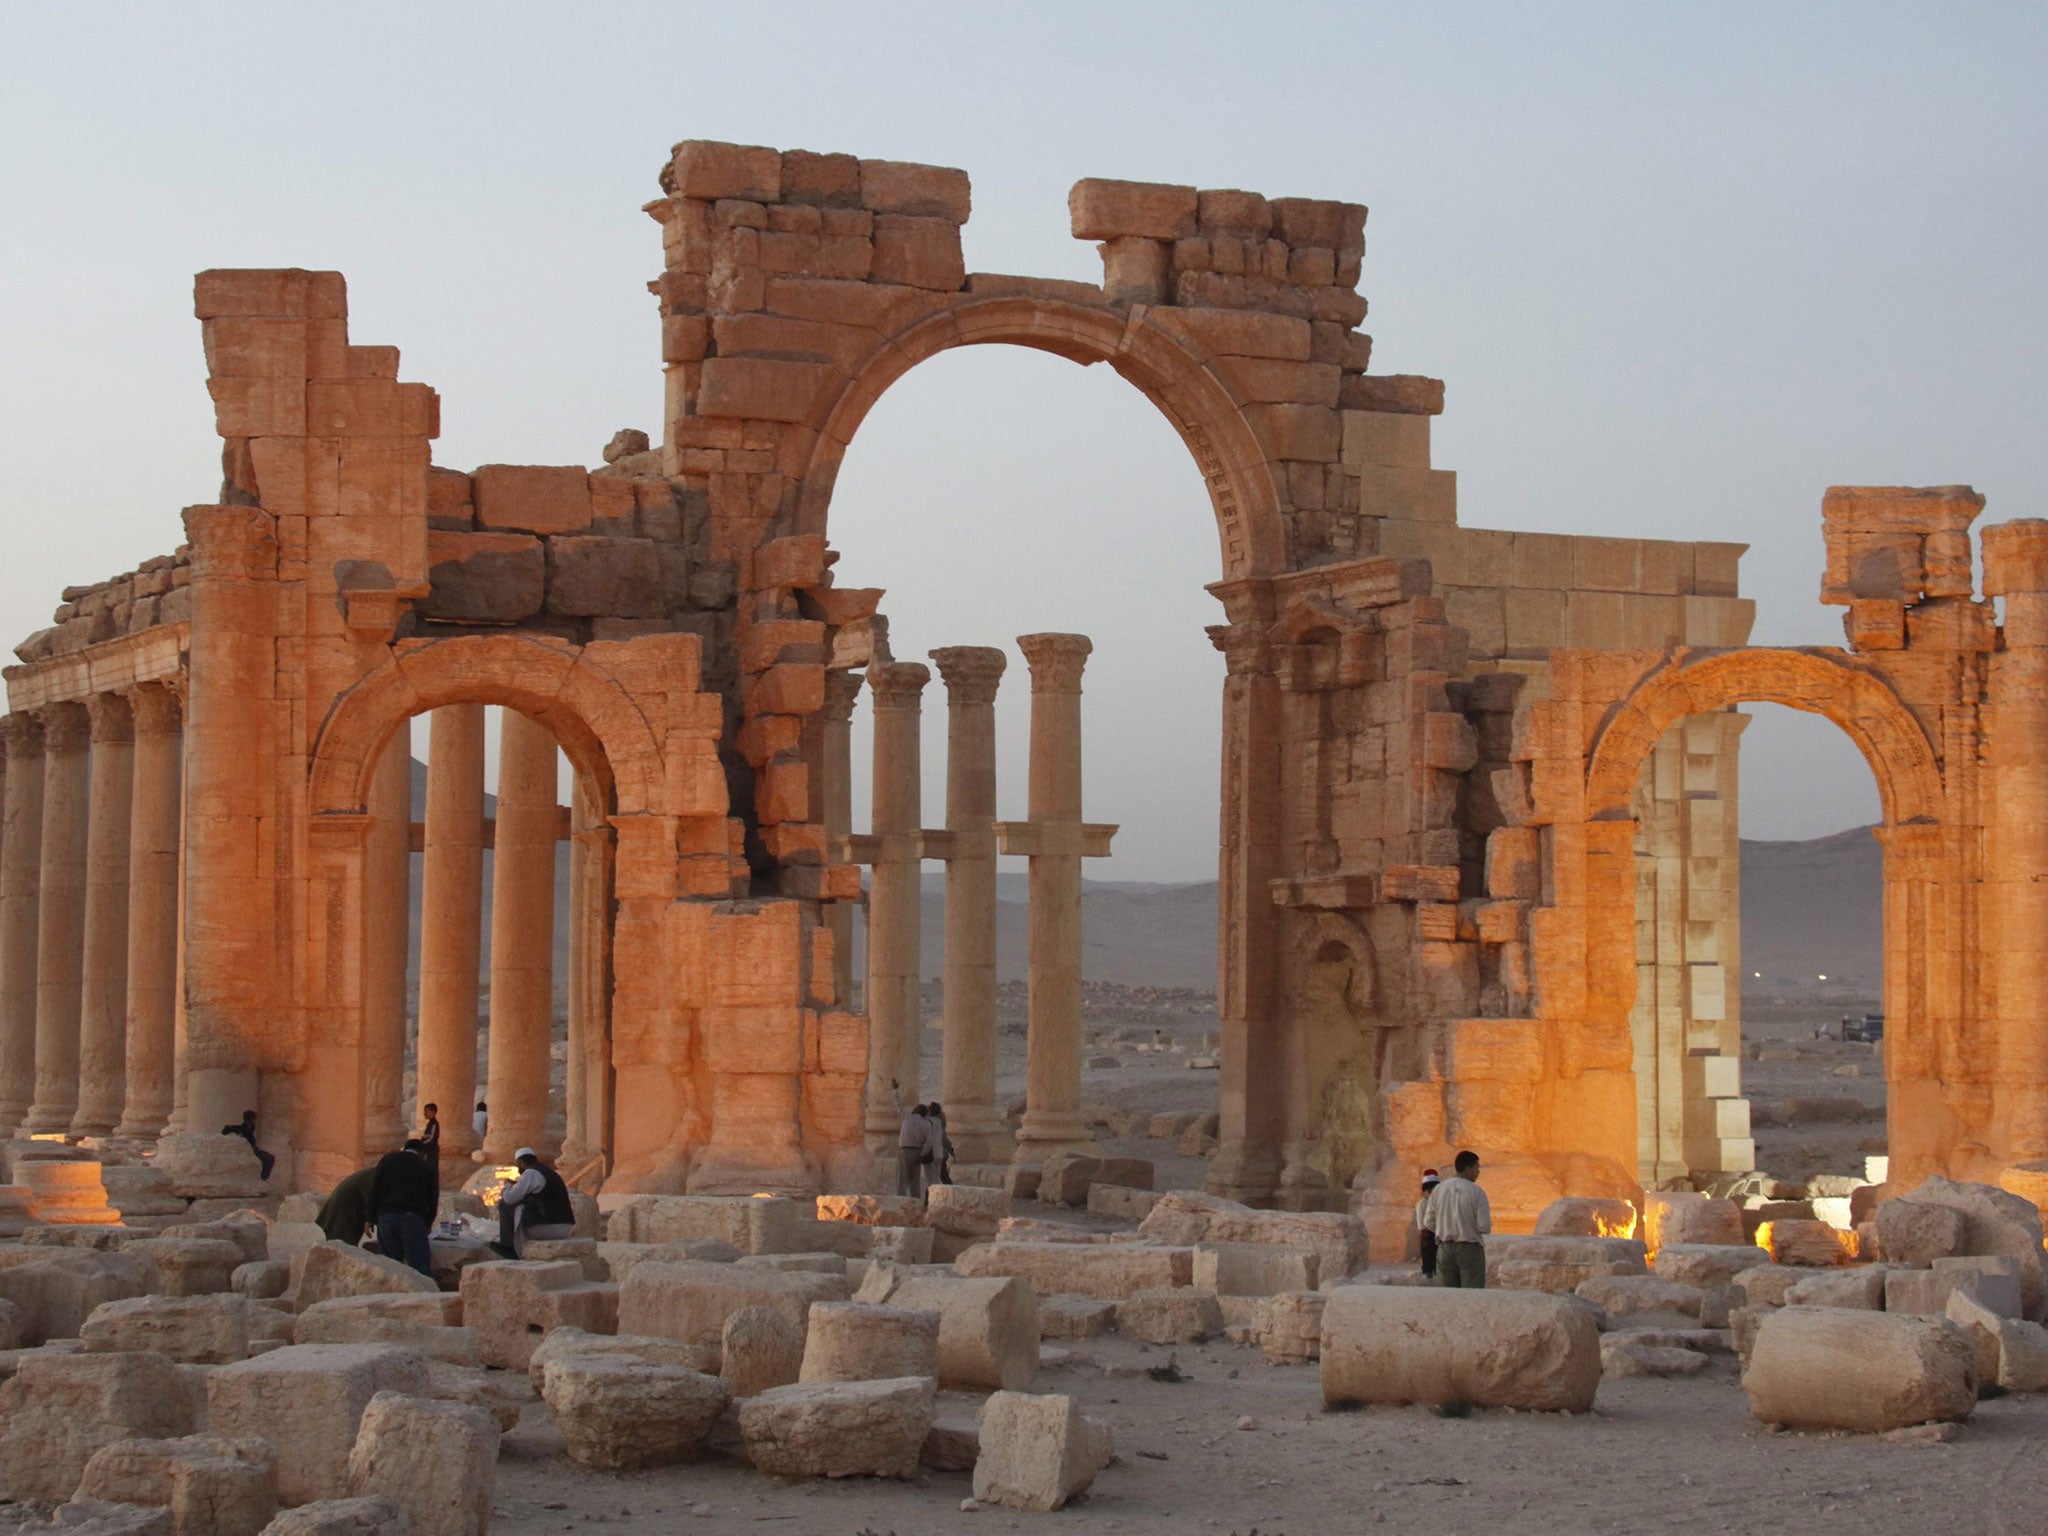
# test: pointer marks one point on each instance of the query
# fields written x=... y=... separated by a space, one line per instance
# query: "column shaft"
x=1052 y=1093
x=971 y=675
x=894 y=1001
x=103 y=1017
x=60 y=928
x=21 y=862
x=836 y=753
x=451 y=921
x=522 y=940
x=386 y=918
x=152 y=913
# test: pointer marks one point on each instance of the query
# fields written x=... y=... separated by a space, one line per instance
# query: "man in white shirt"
x=1458 y=1213
x=913 y=1144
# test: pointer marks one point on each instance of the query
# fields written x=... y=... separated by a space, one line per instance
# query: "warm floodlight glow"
x=504 y=1176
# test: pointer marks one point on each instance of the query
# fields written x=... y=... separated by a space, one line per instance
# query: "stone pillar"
x=60 y=926
x=522 y=940
x=21 y=863
x=103 y=1012
x=589 y=1076
x=152 y=912
x=894 y=1002
x=387 y=866
x=836 y=751
x=451 y=921
x=1056 y=841
x=971 y=674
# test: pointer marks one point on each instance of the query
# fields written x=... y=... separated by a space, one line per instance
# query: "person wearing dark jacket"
x=405 y=1197
x=345 y=1213
x=246 y=1129
x=535 y=1205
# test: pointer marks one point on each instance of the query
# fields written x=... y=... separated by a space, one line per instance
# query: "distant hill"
x=1814 y=908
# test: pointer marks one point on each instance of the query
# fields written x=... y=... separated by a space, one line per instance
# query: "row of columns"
x=89 y=844
x=1055 y=839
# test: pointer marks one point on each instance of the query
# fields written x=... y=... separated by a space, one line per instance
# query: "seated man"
x=534 y=1205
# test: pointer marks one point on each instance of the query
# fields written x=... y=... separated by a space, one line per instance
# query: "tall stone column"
x=971 y=673
x=522 y=940
x=153 y=822
x=21 y=864
x=1056 y=841
x=103 y=1014
x=894 y=1001
x=60 y=927
x=451 y=922
x=836 y=750
x=387 y=867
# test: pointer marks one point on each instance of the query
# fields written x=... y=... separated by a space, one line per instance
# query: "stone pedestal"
x=894 y=847
x=60 y=930
x=386 y=899
x=103 y=1014
x=21 y=862
x=66 y=1193
x=522 y=940
x=152 y=913
x=1056 y=840
x=451 y=922
x=968 y=846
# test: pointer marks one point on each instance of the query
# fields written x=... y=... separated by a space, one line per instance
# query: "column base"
x=881 y=1127
x=46 y=1121
x=978 y=1134
x=1046 y=1131
x=143 y=1127
x=1243 y=1172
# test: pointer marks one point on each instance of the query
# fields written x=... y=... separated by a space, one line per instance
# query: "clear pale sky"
x=1682 y=268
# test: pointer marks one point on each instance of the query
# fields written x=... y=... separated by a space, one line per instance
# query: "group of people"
x=924 y=1153
x=399 y=1196
x=1453 y=1217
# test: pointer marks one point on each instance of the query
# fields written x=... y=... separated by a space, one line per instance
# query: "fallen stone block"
x=868 y=1341
x=1253 y=1269
x=428 y=1325
x=1767 y=1285
x=954 y=1444
x=194 y=1266
x=308 y=1401
x=501 y=1394
x=209 y=1486
x=801 y=1263
x=1179 y=1315
x=1107 y=1271
x=988 y=1327
x=839 y=1429
x=1996 y=1223
x=98 y=1517
x=437 y=1461
x=580 y=1251
x=575 y=1341
x=690 y=1301
x=1683 y=1217
x=54 y=1293
x=1583 y=1216
x=194 y=1330
x=760 y=1347
x=1996 y=1281
x=1497 y=1349
x=617 y=1411
x=262 y=1280
x=246 y=1230
x=1120 y=1202
x=902 y=1245
x=623 y=1258
x=1811 y=1243
x=1037 y=1452
x=1861 y=1288
x=1074 y=1317
x=55 y=1411
x=1707 y=1264
x=1182 y=1217
x=749 y=1224
x=1916 y=1234
x=1826 y=1368
x=511 y=1306
x=1623 y=1355
x=11 y=1327
x=1627 y=1296
x=961 y=1210
x=376 y=1516
x=286 y=1240
x=1291 y=1332
x=1980 y=1323
x=1743 y=1324
x=329 y=1269
x=872 y=1210
x=2022 y=1355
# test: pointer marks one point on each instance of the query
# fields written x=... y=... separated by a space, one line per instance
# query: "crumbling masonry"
x=1478 y=829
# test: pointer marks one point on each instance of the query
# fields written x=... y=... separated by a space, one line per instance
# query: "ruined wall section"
x=155 y=592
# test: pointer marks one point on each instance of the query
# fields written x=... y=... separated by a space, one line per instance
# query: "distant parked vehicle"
x=1869 y=1028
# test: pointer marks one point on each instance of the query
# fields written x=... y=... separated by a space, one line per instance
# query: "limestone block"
x=597 y=574
x=11 y=1326
x=760 y=1347
x=1510 y=1349
x=1124 y=1204
x=1707 y=1264
x=575 y=1341
x=1980 y=1323
x=1623 y=1354
x=209 y=1486
x=194 y=1330
x=1636 y=1295
x=902 y=1245
x=1682 y=1217
x=1074 y=1317
x=919 y=253
x=1037 y=1452
x=1861 y=1287
x=1811 y=1243
x=1177 y=1315
x=307 y=1401
x=872 y=1210
x=1915 y=1233
x=617 y=1411
x=895 y=186
x=1253 y=1269
x=865 y=1341
x=750 y=1225
x=1107 y=1271
x=961 y=1210
x=249 y=1232
x=988 y=1328
x=1767 y=1285
x=1102 y=210
x=428 y=1325
x=286 y=1240
x=437 y=1461
x=690 y=1301
x=512 y=1306
x=1994 y=1281
x=377 y=1516
x=1183 y=1217
x=484 y=578
x=331 y=1269
x=704 y=169
x=195 y=1267
x=622 y=1258
x=580 y=1251
x=1828 y=1368
x=65 y=1192
x=839 y=1429
x=1578 y=1216
x=532 y=498
x=53 y=1296
x=98 y=1517
x=2022 y=1354
x=55 y=1411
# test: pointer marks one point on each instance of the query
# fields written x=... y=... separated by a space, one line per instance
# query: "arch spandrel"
x=1203 y=409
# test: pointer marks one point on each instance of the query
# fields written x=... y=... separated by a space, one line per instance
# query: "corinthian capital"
x=111 y=719
x=841 y=689
x=971 y=672
x=898 y=684
x=156 y=707
x=22 y=735
x=66 y=728
x=1056 y=661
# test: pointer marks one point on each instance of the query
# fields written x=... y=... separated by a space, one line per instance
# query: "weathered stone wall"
x=155 y=592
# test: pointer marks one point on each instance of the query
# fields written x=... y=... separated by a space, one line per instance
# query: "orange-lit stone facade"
x=1478 y=822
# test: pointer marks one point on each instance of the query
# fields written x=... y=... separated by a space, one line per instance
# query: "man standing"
x=913 y=1144
x=405 y=1197
x=1458 y=1213
x=534 y=1206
